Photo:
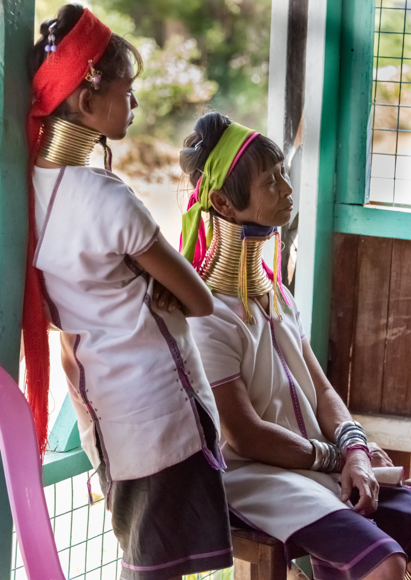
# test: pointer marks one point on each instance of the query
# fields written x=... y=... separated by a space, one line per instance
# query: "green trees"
x=225 y=45
x=197 y=54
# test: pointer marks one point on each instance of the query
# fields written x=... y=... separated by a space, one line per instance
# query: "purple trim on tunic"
x=293 y=391
x=216 y=463
x=133 y=266
x=303 y=337
x=359 y=557
x=55 y=316
x=226 y=380
x=179 y=561
x=94 y=418
x=358 y=568
x=150 y=243
x=48 y=213
x=54 y=313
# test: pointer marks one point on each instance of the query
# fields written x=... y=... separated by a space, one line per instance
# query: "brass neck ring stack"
x=221 y=267
x=67 y=143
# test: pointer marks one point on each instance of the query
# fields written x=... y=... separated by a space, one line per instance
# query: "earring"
x=51 y=47
x=94 y=76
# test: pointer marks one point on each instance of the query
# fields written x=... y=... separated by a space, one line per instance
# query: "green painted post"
x=65 y=435
x=342 y=168
x=326 y=185
x=357 y=47
x=16 y=35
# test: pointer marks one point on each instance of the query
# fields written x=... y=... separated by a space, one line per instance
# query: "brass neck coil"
x=66 y=143
x=221 y=266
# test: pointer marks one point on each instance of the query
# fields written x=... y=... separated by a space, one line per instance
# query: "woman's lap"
x=347 y=546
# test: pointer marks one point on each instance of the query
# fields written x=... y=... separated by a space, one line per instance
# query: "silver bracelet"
x=350 y=434
x=328 y=457
x=346 y=426
x=353 y=439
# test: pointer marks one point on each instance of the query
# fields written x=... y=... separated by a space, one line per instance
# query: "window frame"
x=352 y=213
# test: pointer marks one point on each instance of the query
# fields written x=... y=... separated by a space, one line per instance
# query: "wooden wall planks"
x=370 y=334
x=368 y=350
x=342 y=312
x=397 y=368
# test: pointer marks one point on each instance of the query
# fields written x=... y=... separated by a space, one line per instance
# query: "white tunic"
x=268 y=357
x=134 y=372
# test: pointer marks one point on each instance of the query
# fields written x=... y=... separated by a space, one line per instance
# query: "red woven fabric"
x=56 y=79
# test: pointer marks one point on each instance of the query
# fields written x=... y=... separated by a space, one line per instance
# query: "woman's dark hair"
x=261 y=154
x=113 y=64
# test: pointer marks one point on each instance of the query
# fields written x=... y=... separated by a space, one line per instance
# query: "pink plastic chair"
x=20 y=455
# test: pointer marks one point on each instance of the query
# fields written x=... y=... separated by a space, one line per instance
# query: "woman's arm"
x=176 y=274
x=331 y=411
x=254 y=438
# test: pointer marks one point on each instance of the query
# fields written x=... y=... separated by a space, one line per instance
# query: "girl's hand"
x=378 y=456
x=164 y=299
x=178 y=276
x=357 y=472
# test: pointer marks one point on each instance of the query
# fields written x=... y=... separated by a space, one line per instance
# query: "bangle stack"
x=350 y=436
x=328 y=458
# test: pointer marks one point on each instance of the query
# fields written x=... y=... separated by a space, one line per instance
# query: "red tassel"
x=35 y=334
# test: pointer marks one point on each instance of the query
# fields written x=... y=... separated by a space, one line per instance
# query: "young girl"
x=286 y=432
x=146 y=413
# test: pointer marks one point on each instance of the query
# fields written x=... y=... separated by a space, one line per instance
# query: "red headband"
x=64 y=70
x=59 y=75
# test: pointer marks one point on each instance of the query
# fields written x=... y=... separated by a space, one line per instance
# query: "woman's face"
x=271 y=203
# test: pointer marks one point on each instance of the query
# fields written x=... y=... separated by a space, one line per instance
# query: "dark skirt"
x=347 y=546
x=173 y=522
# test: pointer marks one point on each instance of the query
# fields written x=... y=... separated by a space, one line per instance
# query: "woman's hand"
x=164 y=299
x=357 y=472
x=378 y=456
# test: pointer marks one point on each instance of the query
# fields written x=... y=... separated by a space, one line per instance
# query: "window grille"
x=86 y=544
x=390 y=183
x=87 y=547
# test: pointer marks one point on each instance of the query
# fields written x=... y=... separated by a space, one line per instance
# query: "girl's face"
x=270 y=204
x=111 y=112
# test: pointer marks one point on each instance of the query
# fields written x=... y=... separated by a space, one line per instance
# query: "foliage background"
x=198 y=54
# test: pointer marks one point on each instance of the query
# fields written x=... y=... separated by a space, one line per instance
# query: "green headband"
x=215 y=172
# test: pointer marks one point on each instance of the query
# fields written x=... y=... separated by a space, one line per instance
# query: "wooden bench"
x=261 y=557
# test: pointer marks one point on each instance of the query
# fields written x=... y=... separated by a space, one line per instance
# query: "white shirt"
x=268 y=358
x=133 y=371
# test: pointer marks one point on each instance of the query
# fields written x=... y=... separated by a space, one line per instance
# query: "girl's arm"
x=176 y=274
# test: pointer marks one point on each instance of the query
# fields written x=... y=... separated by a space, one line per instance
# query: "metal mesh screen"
x=391 y=105
x=84 y=537
x=87 y=547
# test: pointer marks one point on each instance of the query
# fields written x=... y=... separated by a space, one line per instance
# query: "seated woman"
x=286 y=433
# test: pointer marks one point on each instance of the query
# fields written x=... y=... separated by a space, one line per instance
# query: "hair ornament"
x=94 y=76
x=51 y=46
x=197 y=145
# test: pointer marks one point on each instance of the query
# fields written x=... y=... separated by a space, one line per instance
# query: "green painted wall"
x=16 y=34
